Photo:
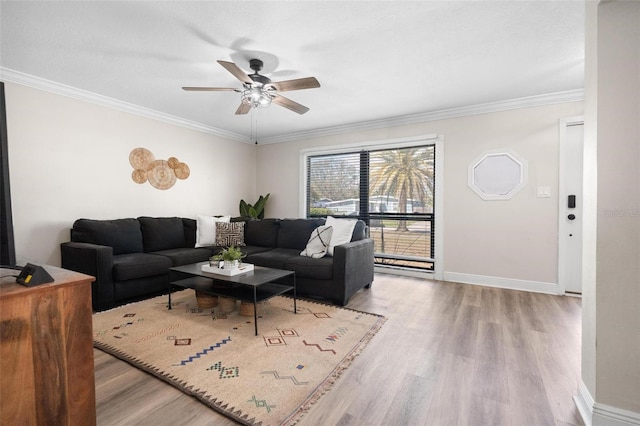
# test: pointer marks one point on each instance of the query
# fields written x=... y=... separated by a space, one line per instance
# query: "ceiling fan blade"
x=236 y=71
x=289 y=104
x=243 y=109
x=297 y=84
x=211 y=89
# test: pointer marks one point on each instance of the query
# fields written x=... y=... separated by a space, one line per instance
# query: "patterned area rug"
x=269 y=379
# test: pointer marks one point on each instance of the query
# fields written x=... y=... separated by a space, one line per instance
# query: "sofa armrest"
x=95 y=260
x=353 y=265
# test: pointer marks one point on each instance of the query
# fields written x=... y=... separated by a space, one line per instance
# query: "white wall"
x=608 y=394
x=590 y=209
x=486 y=241
x=618 y=247
x=69 y=159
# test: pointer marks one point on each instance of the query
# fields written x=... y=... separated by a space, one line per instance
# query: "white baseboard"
x=509 y=283
x=584 y=402
x=596 y=414
x=605 y=415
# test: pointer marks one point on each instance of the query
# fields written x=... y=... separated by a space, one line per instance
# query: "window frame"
x=420 y=140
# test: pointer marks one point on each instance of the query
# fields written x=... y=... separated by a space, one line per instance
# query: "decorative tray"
x=245 y=267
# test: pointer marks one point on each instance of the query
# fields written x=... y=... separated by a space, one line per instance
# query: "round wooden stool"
x=246 y=309
x=227 y=304
x=206 y=301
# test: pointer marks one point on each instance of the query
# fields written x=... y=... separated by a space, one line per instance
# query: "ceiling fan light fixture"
x=257 y=97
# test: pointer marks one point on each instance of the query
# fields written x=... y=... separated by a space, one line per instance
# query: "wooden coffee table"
x=254 y=286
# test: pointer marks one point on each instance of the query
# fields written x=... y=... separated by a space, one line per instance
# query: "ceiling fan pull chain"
x=256 y=131
x=251 y=118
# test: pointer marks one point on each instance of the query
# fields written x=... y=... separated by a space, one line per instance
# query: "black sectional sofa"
x=130 y=258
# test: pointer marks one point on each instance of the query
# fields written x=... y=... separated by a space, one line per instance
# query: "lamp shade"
x=257 y=97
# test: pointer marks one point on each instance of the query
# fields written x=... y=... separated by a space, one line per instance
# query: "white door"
x=571 y=139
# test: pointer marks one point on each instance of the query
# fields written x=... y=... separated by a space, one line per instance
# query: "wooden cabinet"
x=46 y=351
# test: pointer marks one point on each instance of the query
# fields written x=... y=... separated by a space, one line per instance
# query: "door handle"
x=571 y=202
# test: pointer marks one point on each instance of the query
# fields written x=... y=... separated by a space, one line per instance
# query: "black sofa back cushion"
x=295 y=233
x=261 y=233
x=190 y=228
x=162 y=233
x=123 y=235
x=360 y=231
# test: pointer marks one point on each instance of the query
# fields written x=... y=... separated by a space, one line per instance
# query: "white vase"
x=231 y=264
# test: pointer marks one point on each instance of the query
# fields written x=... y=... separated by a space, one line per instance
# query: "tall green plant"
x=255 y=211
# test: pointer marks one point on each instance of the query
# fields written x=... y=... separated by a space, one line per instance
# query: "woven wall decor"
x=161 y=174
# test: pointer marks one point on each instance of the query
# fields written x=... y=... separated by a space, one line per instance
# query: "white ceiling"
x=375 y=60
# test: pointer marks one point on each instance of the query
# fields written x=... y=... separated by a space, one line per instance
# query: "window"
x=392 y=190
x=498 y=175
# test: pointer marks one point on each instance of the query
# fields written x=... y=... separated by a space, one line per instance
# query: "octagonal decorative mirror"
x=498 y=175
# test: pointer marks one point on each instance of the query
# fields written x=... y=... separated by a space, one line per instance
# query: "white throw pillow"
x=318 y=242
x=206 y=229
x=342 y=231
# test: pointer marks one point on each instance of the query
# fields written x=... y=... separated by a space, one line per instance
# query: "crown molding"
x=527 y=102
x=18 y=77
x=13 y=76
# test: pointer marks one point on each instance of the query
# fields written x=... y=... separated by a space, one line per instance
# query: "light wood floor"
x=449 y=354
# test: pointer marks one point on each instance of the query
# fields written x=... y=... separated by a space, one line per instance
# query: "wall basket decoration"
x=161 y=174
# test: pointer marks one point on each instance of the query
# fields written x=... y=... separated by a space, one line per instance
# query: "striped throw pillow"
x=318 y=242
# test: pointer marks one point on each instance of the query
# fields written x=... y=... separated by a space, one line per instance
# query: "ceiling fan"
x=259 y=91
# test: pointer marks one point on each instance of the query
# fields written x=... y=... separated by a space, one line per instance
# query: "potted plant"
x=254 y=211
x=230 y=256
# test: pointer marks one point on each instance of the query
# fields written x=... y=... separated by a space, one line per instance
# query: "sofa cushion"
x=318 y=243
x=342 y=231
x=248 y=250
x=185 y=256
x=206 y=229
x=308 y=267
x=360 y=231
x=295 y=233
x=139 y=265
x=162 y=233
x=190 y=226
x=123 y=235
x=275 y=258
x=263 y=233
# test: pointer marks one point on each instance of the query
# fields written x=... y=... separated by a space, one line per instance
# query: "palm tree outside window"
x=392 y=190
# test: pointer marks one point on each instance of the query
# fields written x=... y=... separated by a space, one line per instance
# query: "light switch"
x=544 y=191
